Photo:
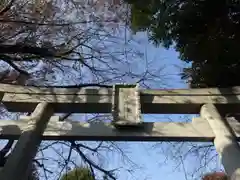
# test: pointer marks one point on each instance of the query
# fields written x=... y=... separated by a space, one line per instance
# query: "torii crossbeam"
x=126 y=103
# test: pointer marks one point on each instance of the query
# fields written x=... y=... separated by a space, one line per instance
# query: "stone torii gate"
x=126 y=103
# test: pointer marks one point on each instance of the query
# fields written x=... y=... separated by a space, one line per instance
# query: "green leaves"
x=81 y=173
x=204 y=32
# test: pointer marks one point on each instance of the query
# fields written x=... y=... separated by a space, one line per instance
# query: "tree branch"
x=41 y=165
x=26 y=49
x=108 y=173
x=4 y=151
x=9 y=60
x=91 y=149
x=50 y=24
x=8 y=7
x=78 y=86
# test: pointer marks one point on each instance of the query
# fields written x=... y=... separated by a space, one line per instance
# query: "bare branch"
x=90 y=162
x=26 y=49
x=6 y=149
x=50 y=24
x=9 y=60
x=8 y=7
x=78 y=86
x=89 y=148
x=41 y=165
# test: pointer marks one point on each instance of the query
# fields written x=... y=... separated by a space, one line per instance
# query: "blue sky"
x=147 y=155
x=149 y=158
x=143 y=153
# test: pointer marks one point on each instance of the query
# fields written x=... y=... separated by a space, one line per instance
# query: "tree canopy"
x=67 y=43
x=204 y=32
x=80 y=173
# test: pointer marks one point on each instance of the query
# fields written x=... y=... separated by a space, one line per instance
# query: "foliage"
x=204 y=32
x=80 y=173
x=215 y=176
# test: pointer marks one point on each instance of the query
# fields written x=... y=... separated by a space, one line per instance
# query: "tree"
x=57 y=43
x=39 y=32
x=203 y=32
x=80 y=173
x=215 y=176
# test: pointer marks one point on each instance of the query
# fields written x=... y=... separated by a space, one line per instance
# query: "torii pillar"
x=225 y=140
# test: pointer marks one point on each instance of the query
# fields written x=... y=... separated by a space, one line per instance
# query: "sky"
x=150 y=157
x=153 y=159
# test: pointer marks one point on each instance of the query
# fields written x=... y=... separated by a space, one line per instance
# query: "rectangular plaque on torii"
x=126 y=108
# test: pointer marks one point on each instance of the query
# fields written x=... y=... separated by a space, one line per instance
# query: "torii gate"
x=126 y=103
